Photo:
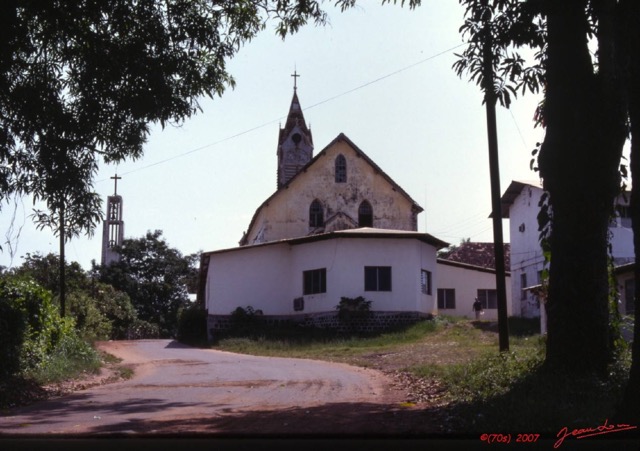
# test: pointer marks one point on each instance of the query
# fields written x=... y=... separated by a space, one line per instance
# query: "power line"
x=391 y=74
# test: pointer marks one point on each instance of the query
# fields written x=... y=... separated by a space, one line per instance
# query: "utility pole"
x=63 y=288
x=494 y=171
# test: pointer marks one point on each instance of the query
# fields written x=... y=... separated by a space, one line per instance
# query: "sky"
x=382 y=75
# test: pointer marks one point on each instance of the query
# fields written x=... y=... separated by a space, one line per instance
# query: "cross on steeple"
x=295 y=79
x=116 y=178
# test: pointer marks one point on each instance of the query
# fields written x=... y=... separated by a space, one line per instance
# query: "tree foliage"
x=80 y=82
x=44 y=270
x=30 y=327
x=156 y=277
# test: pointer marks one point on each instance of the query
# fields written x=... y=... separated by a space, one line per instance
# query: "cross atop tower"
x=116 y=178
x=295 y=79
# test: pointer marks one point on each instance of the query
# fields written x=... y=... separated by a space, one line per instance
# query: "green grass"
x=71 y=358
x=290 y=342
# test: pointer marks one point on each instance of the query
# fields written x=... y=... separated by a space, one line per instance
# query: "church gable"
x=340 y=188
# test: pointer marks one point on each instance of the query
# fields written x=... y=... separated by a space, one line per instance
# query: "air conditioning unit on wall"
x=298 y=304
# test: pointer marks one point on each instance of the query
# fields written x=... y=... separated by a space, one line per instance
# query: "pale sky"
x=379 y=74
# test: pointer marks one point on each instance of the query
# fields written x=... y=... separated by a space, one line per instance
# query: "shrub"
x=351 y=309
x=142 y=329
x=31 y=325
x=91 y=323
x=71 y=356
x=192 y=324
x=117 y=307
x=245 y=316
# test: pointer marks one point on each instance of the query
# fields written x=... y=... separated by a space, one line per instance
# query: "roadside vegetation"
x=466 y=381
x=143 y=296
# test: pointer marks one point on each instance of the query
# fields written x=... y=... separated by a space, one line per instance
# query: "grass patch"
x=293 y=341
x=124 y=372
x=515 y=392
x=71 y=358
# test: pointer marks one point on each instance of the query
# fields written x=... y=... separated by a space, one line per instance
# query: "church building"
x=336 y=226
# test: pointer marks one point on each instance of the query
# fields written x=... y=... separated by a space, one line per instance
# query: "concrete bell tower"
x=295 y=143
x=113 y=227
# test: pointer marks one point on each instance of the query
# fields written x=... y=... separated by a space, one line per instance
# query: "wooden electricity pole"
x=496 y=209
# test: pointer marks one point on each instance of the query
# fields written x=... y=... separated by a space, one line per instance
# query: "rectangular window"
x=488 y=298
x=425 y=281
x=446 y=298
x=523 y=285
x=377 y=278
x=314 y=281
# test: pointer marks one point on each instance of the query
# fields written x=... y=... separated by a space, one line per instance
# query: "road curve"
x=181 y=389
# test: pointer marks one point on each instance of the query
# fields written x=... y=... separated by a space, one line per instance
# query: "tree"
x=155 y=276
x=630 y=409
x=99 y=310
x=44 y=270
x=80 y=82
x=584 y=113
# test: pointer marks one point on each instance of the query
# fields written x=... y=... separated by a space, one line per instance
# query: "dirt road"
x=177 y=389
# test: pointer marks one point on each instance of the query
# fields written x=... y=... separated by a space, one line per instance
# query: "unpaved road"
x=177 y=389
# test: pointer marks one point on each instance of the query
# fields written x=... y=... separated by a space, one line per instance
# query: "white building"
x=520 y=203
x=336 y=226
x=305 y=278
x=459 y=284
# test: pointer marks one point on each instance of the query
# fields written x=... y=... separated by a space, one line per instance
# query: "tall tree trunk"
x=579 y=161
x=630 y=409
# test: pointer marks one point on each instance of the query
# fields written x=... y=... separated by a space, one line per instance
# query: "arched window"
x=316 y=214
x=341 y=169
x=365 y=214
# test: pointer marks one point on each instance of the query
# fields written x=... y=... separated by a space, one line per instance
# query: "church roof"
x=361 y=154
x=295 y=117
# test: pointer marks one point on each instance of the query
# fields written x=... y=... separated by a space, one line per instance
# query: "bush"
x=192 y=324
x=117 y=308
x=92 y=325
x=71 y=356
x=142 y=329
x=31 y=326
x=352 y=309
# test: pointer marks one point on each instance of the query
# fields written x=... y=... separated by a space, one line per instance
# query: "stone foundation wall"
x=376 y=322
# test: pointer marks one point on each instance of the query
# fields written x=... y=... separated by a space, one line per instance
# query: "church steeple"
x=295 y=143
x=113 y=227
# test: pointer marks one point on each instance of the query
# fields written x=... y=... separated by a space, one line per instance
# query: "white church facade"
x=337 y=226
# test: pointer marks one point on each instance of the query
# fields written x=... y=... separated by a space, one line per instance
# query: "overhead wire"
x=244 y=132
